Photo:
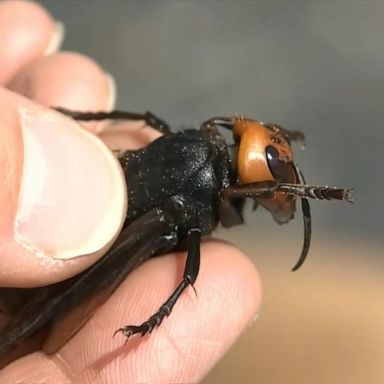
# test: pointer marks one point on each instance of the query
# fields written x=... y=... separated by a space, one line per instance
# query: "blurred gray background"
x=315 y=66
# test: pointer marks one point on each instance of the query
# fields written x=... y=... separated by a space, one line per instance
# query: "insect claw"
x=126 y=331
x=194 y=289
x=117 y=331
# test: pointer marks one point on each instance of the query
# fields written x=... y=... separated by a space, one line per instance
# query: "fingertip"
x=26 y=32
x=237 y=271
x=188 y=342
x=44 y=190
x=66 y=79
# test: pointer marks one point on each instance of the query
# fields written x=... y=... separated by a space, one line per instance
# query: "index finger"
x=27 y=32
x=182 y=350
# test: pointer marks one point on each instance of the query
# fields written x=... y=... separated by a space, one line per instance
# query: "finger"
x=67 y=80
x=62 y=195
x=186 y=345
x=76 y=82
x=27 y=32
x=130 y=135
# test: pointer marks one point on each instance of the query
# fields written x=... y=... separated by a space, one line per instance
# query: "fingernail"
x=56 y=38
x=72 y=200
x=111 y=84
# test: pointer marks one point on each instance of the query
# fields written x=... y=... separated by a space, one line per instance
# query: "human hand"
x=199 y=331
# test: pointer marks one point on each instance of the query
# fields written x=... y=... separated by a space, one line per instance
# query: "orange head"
x=264 y=153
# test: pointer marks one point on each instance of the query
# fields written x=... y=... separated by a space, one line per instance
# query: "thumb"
x=63 y=195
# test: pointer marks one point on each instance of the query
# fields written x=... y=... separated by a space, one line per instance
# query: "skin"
x=200 y=329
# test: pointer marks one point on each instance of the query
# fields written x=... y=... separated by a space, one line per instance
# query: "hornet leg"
x=190 y=274
x=151 y=119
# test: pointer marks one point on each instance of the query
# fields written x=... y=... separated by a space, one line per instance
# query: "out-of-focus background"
x=315 y=66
